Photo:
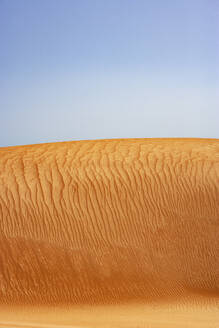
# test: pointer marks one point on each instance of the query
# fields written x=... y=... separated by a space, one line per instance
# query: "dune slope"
x=110 y=233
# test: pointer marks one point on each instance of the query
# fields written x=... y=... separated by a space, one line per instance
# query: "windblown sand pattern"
x=110 y=233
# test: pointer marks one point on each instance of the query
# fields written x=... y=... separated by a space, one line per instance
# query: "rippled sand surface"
x=110 y=233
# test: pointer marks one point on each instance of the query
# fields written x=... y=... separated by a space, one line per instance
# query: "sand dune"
x=110 y=233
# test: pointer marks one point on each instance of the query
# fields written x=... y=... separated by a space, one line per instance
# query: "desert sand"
x=110 y=233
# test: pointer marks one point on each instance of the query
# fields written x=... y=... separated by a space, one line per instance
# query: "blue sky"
x=90 y=69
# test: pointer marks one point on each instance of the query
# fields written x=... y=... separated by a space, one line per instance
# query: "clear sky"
x=87 y=69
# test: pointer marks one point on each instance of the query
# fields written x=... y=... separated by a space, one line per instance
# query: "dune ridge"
x=107 y=229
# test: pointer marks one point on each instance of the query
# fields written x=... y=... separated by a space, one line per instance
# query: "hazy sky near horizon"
x=88 y=69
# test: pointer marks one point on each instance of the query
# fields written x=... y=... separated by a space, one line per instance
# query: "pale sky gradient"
x=88 y=69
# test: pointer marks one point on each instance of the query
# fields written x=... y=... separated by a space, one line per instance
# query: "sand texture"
x=110 y=233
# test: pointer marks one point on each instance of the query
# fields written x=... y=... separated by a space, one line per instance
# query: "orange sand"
x=110 y=233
